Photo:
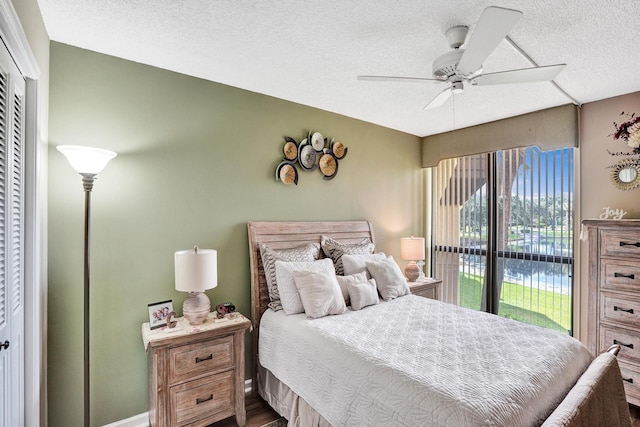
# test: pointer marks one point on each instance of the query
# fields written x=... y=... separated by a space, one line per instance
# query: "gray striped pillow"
x=334 y=250
x=306 y=252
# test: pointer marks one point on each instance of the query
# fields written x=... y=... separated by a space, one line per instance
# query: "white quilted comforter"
x=420 y=362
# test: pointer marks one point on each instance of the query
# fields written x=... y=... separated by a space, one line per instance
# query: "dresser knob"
x=627 y=276
x=4 y=345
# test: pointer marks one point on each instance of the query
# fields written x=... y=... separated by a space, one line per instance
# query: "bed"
x=413 y=361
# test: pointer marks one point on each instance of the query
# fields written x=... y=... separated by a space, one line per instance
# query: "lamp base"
x=196 y=308
x=412 y=271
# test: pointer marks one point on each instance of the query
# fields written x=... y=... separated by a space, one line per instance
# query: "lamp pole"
x=87 y=184
x=88 y=162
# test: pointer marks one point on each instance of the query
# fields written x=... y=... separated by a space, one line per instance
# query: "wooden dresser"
x=614 y=295
x=196 y=373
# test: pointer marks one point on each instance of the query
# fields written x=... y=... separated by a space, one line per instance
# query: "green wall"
x=195 y=162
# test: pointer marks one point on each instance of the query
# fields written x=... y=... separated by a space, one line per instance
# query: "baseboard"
x=142 y=420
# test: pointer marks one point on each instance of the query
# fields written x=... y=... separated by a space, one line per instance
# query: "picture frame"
x=158 y=312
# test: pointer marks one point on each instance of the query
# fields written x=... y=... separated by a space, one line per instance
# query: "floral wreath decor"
x=629 y=131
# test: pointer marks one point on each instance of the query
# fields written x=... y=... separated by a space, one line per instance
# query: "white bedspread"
x=420 y=362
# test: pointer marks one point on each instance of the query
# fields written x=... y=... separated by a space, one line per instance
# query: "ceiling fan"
x=460 y=67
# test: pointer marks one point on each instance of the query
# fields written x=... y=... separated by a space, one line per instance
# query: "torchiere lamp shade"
x=86 y=160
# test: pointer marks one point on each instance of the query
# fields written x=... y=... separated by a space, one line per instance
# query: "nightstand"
x=196 y=373
x=427 y=287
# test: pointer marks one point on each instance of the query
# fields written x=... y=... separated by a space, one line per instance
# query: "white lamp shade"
x=196 y=270
x=412 y=248
x=87 y=160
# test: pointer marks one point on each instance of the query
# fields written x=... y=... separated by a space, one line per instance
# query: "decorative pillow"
x=363 y=294
x=343 y=281
x=389 y=279
x=289 y=296
x=308 y=252
x=358 y=263
x=334 y=250
x=320 y=293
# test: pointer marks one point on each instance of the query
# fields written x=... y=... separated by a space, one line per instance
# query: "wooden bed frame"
x=599 y=382
x=285 y=235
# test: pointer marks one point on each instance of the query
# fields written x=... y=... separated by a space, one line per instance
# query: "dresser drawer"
x=619 y=243
x=631 y=380
x=620 y=309
x=202 y=358
x=202 y=398
x=620 y=274
x=629 y=341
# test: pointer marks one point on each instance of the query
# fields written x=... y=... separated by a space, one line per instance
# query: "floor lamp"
x=88 y=162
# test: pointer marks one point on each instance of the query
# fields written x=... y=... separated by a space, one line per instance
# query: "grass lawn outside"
x=531 y=305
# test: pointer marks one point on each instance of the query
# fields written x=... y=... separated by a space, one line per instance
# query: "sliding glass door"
x=503 y=234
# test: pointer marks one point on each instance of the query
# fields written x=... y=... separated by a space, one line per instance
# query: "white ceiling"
x=310 y=51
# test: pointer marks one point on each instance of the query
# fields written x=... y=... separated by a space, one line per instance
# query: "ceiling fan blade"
x=439 y=99
x=524 y=75
x=398 y=79
x=493 y=26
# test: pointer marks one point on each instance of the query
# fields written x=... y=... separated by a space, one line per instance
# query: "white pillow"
x=320 y=293
x=343 y=281
x=363 y=294
x=389 y=279
x=353 y=264
x=289 y=296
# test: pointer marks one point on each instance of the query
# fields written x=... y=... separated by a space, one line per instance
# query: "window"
x=503 y=234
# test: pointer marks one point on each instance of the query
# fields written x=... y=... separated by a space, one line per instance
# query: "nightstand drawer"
x=190 y=361
x=201 y=398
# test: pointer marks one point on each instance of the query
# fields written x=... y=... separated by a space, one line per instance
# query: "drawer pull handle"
x=616 y=308
x=628 y=276
x=629 y=380
x=202 y=359
x=206 y=399
x=626 y=345
x=636 y=244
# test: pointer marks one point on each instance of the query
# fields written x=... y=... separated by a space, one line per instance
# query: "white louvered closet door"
x=12 y=90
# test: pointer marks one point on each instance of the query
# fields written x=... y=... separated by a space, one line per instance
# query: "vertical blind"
x=502 y=233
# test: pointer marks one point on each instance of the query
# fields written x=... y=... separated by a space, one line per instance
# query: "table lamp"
x=196 y=271
x=412 y=250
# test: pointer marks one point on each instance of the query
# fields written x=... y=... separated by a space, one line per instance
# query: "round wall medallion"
x=307 y=156
x=317 y=141
x=290 y=150
x=328 y=166
x=338 y=149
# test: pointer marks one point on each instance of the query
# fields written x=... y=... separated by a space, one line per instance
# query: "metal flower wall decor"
x=625 y=174
x=629 y=131
x=313 y=152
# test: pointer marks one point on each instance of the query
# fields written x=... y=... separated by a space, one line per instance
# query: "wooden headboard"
x=284 y=235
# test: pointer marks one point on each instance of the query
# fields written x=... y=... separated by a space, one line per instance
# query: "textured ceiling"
x=310 y=52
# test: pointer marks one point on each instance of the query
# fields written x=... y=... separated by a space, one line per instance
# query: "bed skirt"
x=287 y=403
